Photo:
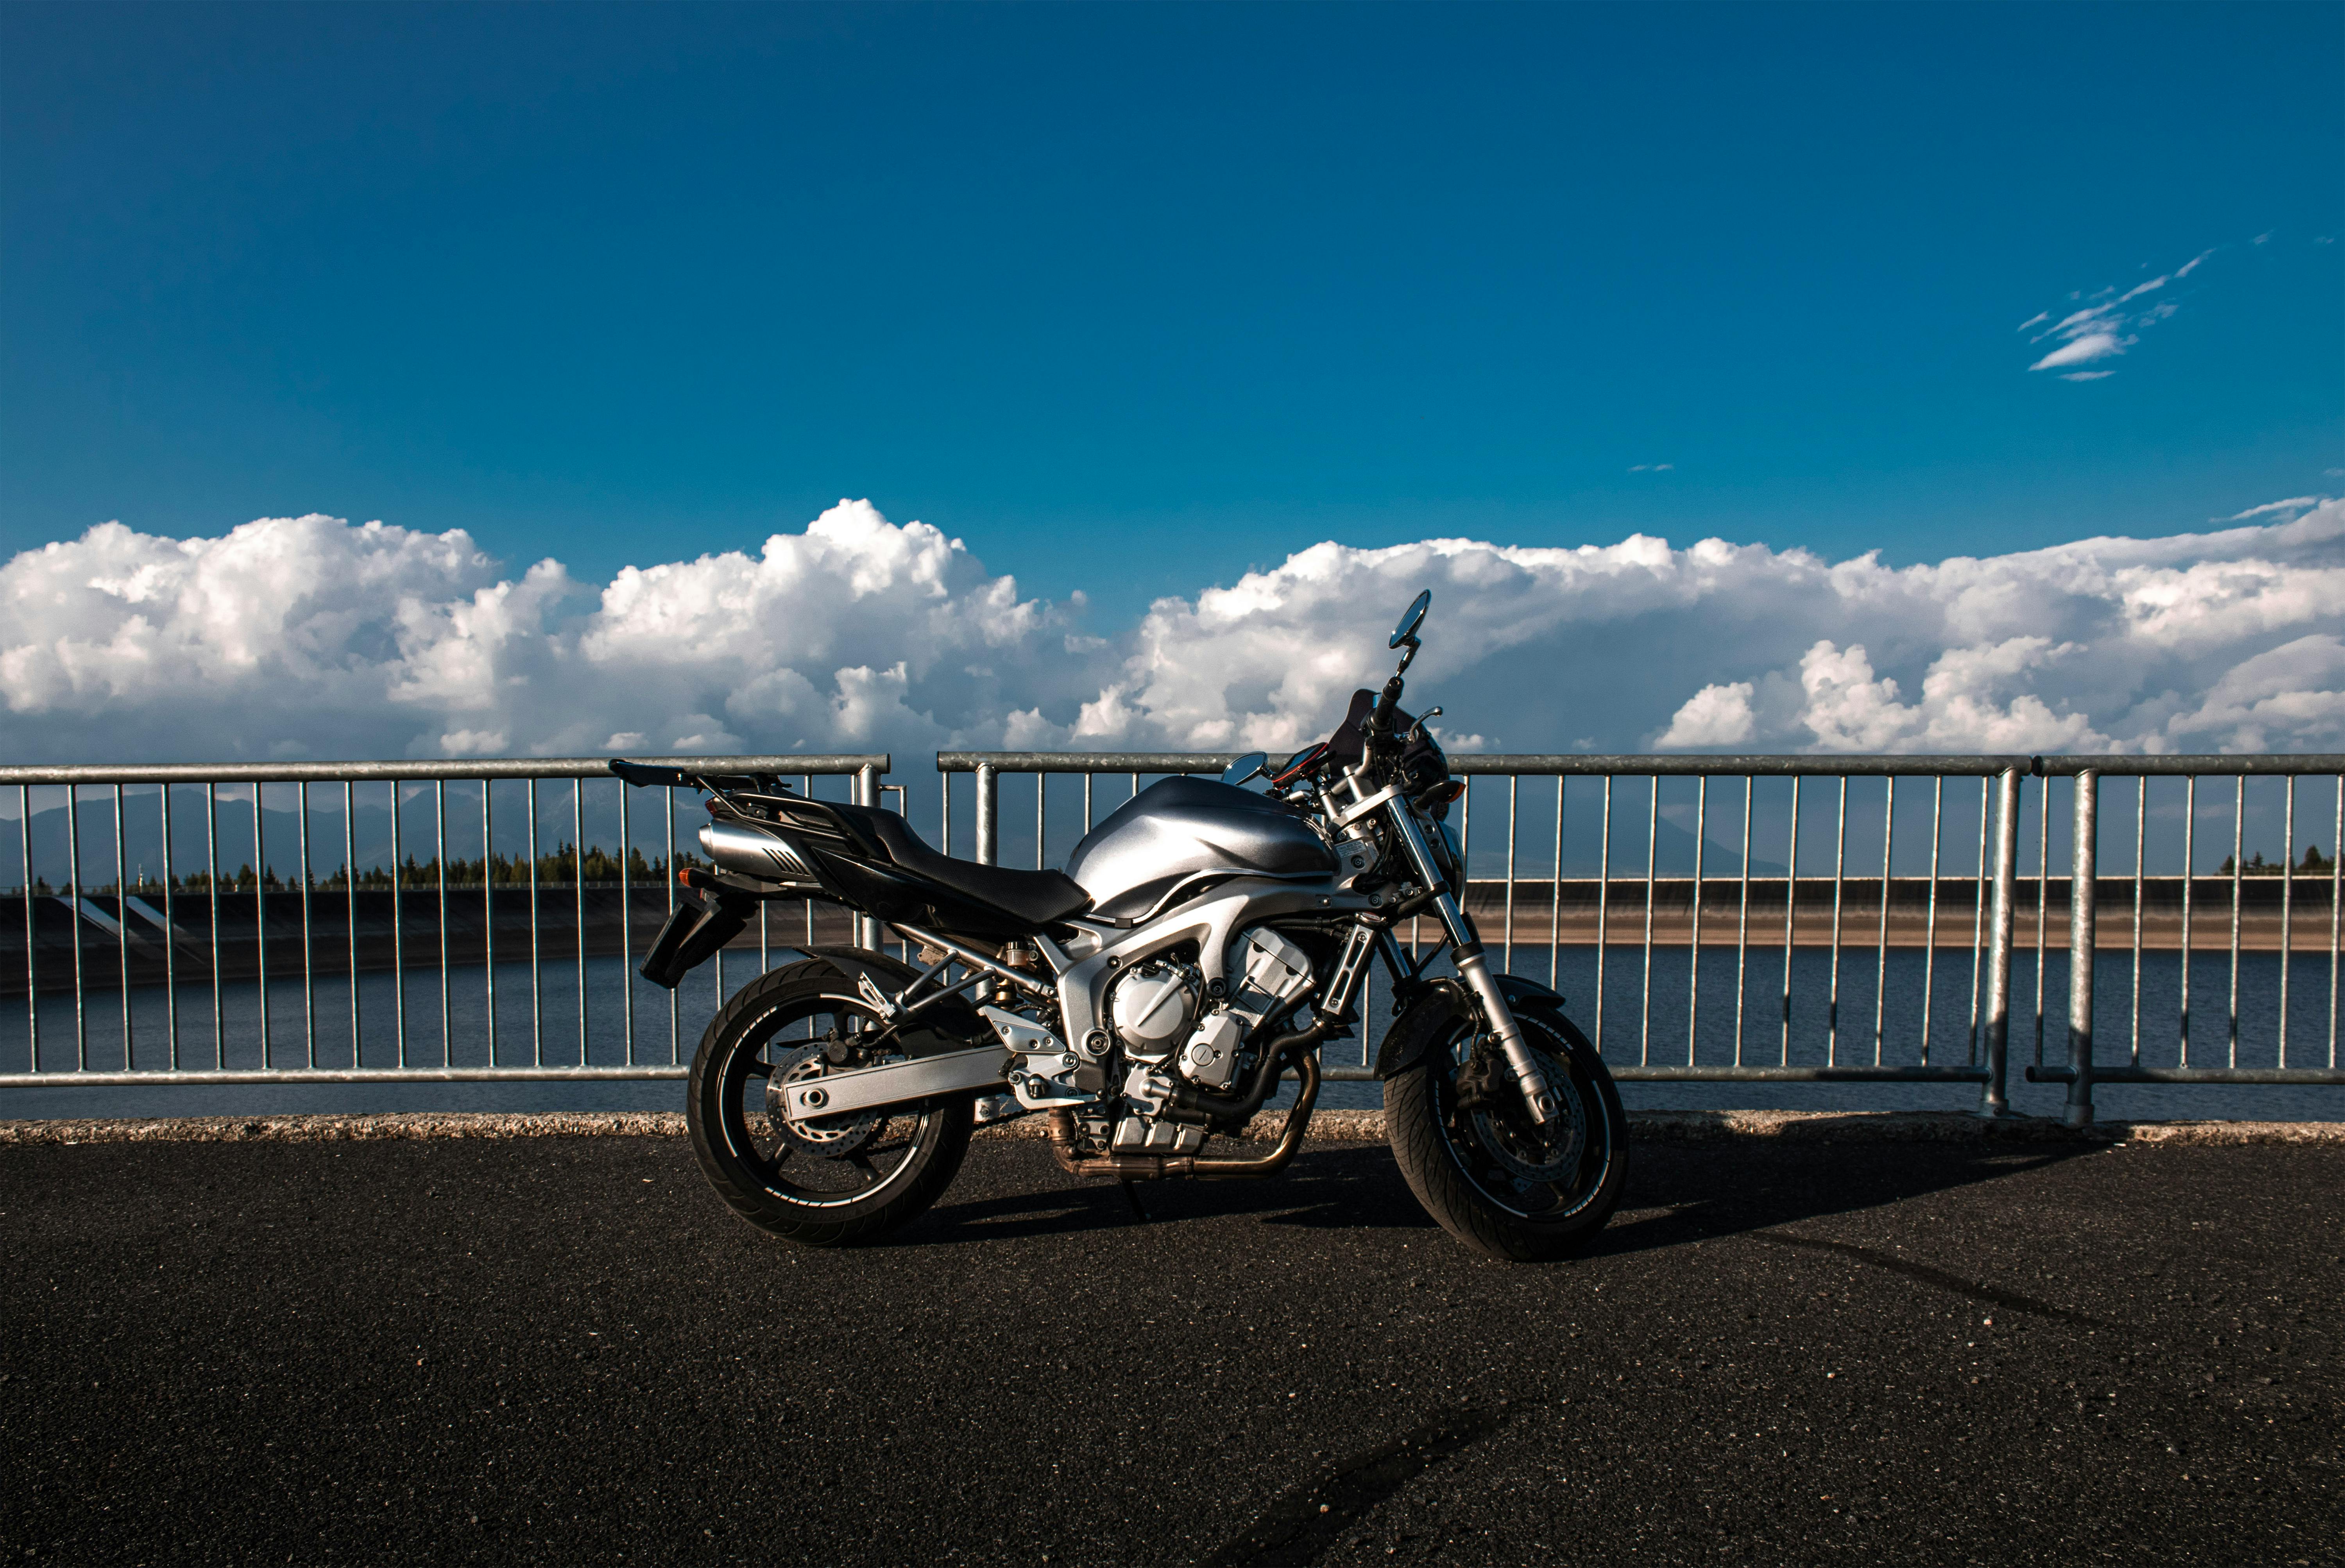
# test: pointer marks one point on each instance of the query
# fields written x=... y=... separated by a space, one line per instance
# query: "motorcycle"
x=1204 y=944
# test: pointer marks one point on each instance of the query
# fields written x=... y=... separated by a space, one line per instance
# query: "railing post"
x=989 y=815
x=867 y=793
x=2084 y=865
x=1995 y=1100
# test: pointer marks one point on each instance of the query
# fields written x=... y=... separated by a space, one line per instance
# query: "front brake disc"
x=1528 y=1152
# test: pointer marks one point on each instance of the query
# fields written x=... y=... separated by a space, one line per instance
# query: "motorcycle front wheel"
x=1490 y=1177
x=829 y=1183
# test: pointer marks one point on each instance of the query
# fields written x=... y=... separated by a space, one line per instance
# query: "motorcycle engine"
x=1154 y=1005
x=1272 y=972
x=1154 y=1008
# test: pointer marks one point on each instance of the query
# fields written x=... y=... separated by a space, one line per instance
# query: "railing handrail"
x=1576 y=764
x=1737 y=765
x=1086 y=761
x=425 y=769
x=2220 y=765
x=1807 y=764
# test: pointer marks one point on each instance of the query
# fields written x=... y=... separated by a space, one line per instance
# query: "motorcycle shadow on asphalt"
x=1676 y=1194
x=1331 y=1187
x=1679 y=1194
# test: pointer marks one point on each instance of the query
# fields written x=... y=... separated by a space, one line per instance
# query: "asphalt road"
x=562 y=1349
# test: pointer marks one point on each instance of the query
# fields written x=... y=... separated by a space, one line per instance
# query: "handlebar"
x=1380 y=720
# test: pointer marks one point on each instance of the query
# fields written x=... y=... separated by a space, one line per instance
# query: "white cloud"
x=2083 y=351
x=2290 y=699
x=377 y=640
x=311 y=636
x=1714 y=716
x=2294 y=505
x=2103 y=329
x=1652 y=467
x=2098 y=644
x=1967 y=703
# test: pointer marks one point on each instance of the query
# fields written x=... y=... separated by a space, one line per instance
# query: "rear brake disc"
x=824 y=1137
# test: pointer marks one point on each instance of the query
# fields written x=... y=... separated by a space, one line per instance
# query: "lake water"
x=544 y=1024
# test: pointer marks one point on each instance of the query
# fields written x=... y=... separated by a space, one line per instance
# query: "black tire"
x=1489 y=1176
x=828 y=1184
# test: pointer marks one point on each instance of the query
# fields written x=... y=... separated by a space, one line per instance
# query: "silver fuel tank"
x=1180 y=829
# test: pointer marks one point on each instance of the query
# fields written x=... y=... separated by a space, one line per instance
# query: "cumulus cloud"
x=310 y=637
x=2102 y=327
x=1714 y=716
x=375 y=639
x=2105 y=644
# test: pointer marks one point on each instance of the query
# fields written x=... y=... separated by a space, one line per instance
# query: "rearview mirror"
x=1252 y=765
x=1407 y=631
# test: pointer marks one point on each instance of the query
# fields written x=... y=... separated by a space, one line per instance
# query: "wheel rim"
x=1543 y=1174
x=832 y=1162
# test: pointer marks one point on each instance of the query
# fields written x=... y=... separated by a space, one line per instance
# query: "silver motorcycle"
x=1205 y=942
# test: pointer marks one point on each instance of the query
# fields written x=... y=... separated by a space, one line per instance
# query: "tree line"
x=2314 y=863
x=561 y=866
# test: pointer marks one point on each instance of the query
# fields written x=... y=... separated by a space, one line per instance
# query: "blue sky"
x=1135 y=298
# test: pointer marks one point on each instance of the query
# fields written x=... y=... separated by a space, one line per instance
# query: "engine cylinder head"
x=1276 y=971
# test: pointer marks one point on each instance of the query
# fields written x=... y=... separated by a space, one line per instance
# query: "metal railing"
x=1940 y=919
x=196 y=939
x=1885 y=944
x=2084 y=901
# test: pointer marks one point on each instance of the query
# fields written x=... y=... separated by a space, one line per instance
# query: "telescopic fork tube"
x=1475 y=970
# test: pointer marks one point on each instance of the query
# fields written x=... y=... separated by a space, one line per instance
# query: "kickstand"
x=1132 y=1196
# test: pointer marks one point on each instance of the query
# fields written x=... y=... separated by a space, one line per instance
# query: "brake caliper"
x=1482 y=1082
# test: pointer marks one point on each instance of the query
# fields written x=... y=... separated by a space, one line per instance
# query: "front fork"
x=1465 y=952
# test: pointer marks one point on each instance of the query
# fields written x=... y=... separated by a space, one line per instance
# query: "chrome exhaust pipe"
x=768 y=857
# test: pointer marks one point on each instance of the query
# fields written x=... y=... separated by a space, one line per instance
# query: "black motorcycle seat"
x=1036 y=898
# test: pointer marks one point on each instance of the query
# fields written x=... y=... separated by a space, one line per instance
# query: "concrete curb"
x=1327 y=1127
x=347 y=1129
x=1954 y=1127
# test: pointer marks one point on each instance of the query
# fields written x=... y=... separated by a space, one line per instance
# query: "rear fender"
x=705 y=920
x=1415 y=1029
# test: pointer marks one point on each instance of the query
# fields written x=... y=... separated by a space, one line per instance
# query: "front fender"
x=1418 y=1024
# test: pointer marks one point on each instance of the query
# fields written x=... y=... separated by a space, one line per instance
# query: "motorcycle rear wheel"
x=1489 y=1176
x=833 y=1183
